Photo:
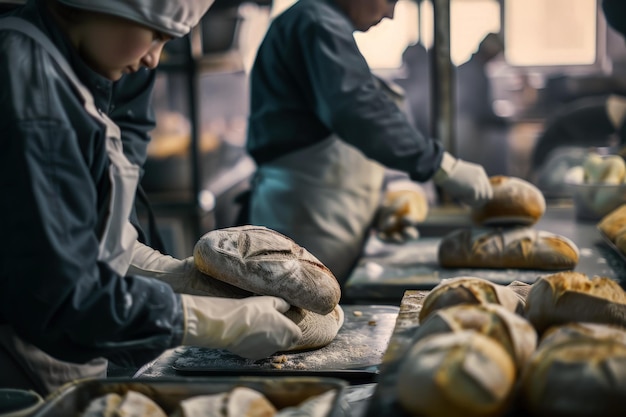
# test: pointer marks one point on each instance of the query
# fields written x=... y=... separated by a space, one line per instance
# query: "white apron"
x=44 y=372
x=324 y=197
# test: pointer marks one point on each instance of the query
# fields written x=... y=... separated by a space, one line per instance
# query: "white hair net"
x=173 y=17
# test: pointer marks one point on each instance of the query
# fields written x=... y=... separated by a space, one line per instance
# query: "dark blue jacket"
x=309 y=80
x=55 y=189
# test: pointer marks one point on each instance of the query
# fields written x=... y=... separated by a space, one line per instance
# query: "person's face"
x=367 y=13
x=113 y=46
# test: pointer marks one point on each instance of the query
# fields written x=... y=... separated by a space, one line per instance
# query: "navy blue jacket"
x=55 y=189
x=309 y=80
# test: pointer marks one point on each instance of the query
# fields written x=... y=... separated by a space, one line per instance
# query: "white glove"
x=253 y=327
x=464 y=180
x=400 y=213
x=181 y=275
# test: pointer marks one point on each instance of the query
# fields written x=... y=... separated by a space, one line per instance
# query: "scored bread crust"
x=577 y=370
x=514 y=333
x=514 y=202
x=317 y=330
x=613 y=223
x=265 y=262
x=469 y=290
x=456 y=374
x=572 y=296
x=520 y=248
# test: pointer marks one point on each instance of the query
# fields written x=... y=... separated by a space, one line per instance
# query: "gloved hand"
x=181 y=275
x=253 y=327
x=464 y=180
x=400 y=213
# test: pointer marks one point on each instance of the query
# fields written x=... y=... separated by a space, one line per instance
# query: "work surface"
x=388 y=270
x=382 y=277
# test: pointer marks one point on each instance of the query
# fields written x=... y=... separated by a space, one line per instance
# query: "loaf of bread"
x=520 y=248
x=238 y=402
x=103 y=406
x=132 y=403
x=456 y=374
x=266 y=262
x=317 y=406
x=469 y=290
x=577 y=370
x=573 y=297
x=317 y=330
x=515 y=202
x=603 y=169
x=613 y=223
x=514 y=333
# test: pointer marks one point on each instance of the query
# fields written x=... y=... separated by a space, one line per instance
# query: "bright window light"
x=554 y=32
x=383 y=45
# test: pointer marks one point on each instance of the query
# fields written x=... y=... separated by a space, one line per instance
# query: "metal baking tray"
x=282 y=392
x=384 y=400
x=612 y=245
x=354 y=355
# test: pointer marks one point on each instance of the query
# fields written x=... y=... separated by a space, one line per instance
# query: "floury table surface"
x=388 y=270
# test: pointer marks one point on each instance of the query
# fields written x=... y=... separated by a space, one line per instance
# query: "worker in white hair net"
x=76 y=287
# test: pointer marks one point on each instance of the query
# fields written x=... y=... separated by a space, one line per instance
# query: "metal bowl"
x=594 y=201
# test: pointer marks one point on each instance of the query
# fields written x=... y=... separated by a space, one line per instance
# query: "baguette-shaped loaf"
x=317 y=330
x=266 y=262
x=577 y=370
x=520 y=248
x=573 y=297
x=469 y=290
x=515 y=202
x=456 y=374
x=514 y=333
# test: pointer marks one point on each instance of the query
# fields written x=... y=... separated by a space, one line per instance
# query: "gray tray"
x=354 y=355
x=71 y=400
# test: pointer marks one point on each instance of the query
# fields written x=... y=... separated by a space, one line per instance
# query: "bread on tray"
x=519 y=248
x=265 y=262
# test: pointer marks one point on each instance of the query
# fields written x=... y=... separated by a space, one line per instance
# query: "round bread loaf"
x=317 y=330
x=515 y=202
x=456 y=374
x=238 y=402
x=266 y=262
x=469 y=290
x=577 y=370
x=132 y=403
x=514 y=333
x=613 y=223
x=103 y=406
x=520 y=248
x=571 y=296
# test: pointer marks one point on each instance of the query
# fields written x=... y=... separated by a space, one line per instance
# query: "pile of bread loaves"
x=504 y=236
x=238 y=402
x=254 y=260
x=553 y=348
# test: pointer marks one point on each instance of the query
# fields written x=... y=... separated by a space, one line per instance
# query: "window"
x=555 y=32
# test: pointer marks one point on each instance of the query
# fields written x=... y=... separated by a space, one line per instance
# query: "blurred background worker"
x=76 y=287
x=474 y=92
x=321 y=130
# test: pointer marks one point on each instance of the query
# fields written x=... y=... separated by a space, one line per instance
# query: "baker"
x=67 y=300
x=321 y=131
